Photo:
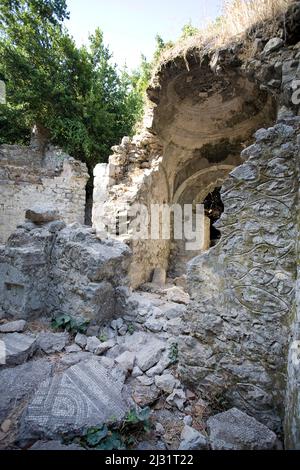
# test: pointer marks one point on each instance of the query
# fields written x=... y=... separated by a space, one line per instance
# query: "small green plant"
x=131 y=329
x=139 y=418
x=68 y=323
x=103 y=337
x=119 y=436
x=173 y=353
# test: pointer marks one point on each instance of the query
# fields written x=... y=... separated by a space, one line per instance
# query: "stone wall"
x=134 y=174
x=206 y=105
x=243 y=290
x=50 y=269
x=292 y=403
x=28 y=176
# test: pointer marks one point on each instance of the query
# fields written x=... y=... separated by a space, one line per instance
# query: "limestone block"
x=42 y=214
x=18 y=348
x=273 y=45
x=166 y=382
x=235 y=430
x=52 y=342
x=177 y=295
x=159 y=276
x=150 y=354
x=191 y=439
x=13 y=327
x=126 y=360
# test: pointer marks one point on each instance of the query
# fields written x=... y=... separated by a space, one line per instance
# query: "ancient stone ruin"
x=208 y=338
x=29 y=176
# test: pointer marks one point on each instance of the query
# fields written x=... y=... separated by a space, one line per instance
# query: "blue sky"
x=130 y=26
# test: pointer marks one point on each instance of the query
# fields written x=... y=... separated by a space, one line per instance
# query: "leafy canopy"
x=76 y=93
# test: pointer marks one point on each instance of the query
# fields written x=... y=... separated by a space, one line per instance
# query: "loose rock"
x=13 y=327
x=273 y=45
x=166 y=382
x=126 y=360
x=176 y=294
x=150 y=354
x=52 y=342
x=235 y=430
x=136 y=372
x=5 y=426
x=74 y=348
x=81 y=340
x=42 y=214
x=191 y=439
x=92 y=344
x=18 y=348
x=177 y=398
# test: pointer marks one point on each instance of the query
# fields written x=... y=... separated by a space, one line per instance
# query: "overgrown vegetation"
x=69 y=323
x=77 y=93
x=103 y=337
x=117 y=436
x=237 y=17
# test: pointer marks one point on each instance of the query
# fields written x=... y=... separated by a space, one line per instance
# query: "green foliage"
x=189 y=30
x=71 y=324
x=103 y=337
x=161 y=46
x=76 y=93
x=173 y=353
x=135 y=417
x=131 y=329
x=93 y=436
x=117 y=436
x=140 y=78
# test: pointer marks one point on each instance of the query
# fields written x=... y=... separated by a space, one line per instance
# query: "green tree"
x=140 y=78
x=189 y=30
x=75 y=93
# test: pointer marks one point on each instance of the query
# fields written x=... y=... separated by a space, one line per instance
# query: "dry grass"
x=237 y=17
x=240 y=15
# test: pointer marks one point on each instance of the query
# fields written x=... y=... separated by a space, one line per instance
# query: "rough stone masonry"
x=228 y=119
x=28 y=176
x=212 y=109
x=49 y=269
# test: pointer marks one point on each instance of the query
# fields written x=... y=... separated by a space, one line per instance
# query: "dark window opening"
x=213 y=208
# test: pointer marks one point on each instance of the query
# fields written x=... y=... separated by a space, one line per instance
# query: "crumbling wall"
x=243 y=290
x=200 y=124
x=50 y=268
x=134 y=175
x=206 y=105
x=28 y=176
x=292 y=402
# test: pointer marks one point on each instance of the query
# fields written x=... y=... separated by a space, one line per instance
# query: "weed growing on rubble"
x=103 y=337
x=68 y=323
x=173 y=353
x=131 y=329
x=117 y=436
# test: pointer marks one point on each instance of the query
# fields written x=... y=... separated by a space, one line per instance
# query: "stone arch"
x=204 y=119
x=216 y=175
